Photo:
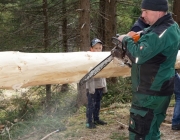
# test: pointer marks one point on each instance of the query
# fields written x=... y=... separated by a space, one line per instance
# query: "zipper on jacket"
x=138 y=77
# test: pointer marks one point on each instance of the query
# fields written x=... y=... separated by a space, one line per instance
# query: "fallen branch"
x=50 y=134
x=109 y=108
x=122 y=124
x=7 y=129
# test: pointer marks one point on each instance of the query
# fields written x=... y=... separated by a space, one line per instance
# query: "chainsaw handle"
x=118 y=51
x=118 y=44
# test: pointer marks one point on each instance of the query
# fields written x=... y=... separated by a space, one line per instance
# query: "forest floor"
x=117 y=117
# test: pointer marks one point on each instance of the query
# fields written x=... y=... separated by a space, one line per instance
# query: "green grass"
x=118 y=136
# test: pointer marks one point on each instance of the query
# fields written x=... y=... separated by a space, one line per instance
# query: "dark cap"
x=95 y=41
x=155 y=5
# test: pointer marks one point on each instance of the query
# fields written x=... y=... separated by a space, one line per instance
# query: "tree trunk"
x=46 y=44
x=48 y=97
x=84 y=21
x=101 y=26
x=110 y=28
x=64 y=87
x=110 y=23
x=176 y=11
x=46 y=41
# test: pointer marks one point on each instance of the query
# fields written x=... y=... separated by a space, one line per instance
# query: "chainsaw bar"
x=118 y=51
x=96 y=69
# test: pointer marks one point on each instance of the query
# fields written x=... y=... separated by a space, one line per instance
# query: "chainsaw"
x=118 y=51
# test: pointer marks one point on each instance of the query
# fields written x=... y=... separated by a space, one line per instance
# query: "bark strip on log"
x=19 y=70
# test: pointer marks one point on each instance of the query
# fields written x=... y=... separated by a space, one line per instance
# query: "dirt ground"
x=116 y=129
x=167 y=133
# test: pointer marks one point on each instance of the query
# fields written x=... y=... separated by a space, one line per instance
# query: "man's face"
x=97 y=48
x=150 y=17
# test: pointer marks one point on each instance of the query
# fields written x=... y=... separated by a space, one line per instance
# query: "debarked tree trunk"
x=19 y=70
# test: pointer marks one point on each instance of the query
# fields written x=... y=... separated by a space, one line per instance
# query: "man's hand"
x=121 y=37
x=134 y=35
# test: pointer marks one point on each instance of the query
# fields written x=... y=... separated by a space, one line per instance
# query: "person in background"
x=176 y=114
x=152 y=73
x=139 y=25
x=95 y=88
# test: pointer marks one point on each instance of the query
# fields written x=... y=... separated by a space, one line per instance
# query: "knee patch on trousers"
x=140 y=120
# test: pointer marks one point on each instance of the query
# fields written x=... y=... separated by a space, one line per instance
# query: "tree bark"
x=46 y=44
x=84 y=26
x=101 y=22
x=64 y=87
x=45 y=14
x=110 y=23
x=84 y=23
x=110 y=27
x=176 y=11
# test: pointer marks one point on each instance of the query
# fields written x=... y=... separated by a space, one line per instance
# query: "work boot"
x=100 y=122
x=90 y=125
x=176 y=127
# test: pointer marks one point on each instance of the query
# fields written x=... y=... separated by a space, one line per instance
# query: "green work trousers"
x=146 y=115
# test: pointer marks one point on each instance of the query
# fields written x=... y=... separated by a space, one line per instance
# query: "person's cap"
x=155 y=5
x=95 y=41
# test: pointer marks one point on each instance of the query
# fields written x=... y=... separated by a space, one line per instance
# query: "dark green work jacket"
x=154 y=57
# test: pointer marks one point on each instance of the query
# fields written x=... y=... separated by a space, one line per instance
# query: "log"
x=20 y=70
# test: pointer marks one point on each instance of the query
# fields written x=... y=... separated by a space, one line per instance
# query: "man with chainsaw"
x=153 y=58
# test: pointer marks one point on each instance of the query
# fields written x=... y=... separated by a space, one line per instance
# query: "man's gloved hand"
x=134 y=35
x=121 y=37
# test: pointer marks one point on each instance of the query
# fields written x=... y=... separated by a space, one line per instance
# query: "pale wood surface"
x=19 y=70
x=177 y=65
